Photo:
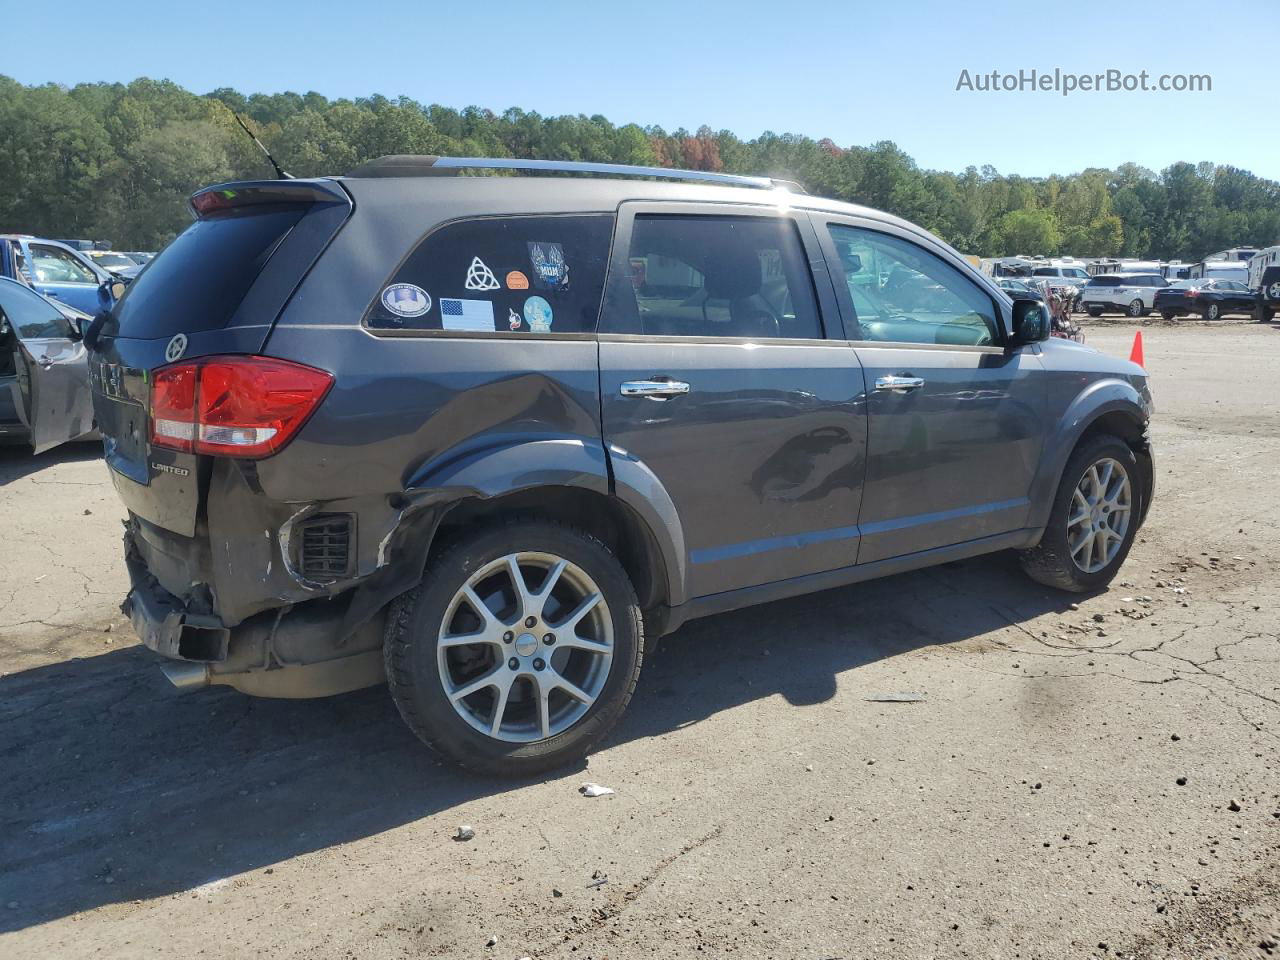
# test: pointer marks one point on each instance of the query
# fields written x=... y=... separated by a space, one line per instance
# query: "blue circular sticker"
x=538 y=312
x=406 y=300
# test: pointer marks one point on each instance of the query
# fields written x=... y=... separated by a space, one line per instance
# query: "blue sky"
x=853 y=71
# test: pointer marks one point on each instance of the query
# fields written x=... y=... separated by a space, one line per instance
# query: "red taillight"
x=1193 y=292
x=233 y=406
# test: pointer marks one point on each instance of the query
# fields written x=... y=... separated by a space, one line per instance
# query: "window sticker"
x=550 y=271
x=470 y=316
x=480 y=277
x=517 y=281
x=538 y=312
x=513 y=319
x=406 y=300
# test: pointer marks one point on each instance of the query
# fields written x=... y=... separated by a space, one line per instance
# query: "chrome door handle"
x=46 y=362
x=899 y=384
x=654 y=389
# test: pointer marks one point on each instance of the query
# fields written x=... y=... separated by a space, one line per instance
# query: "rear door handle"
x=899 y=384
x=655 y=389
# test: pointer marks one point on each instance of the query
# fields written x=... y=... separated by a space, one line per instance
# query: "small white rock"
x=492 y=941
x=595 y=790
x=465 y=832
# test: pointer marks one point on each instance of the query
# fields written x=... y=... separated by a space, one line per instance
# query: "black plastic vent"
x=326 y=546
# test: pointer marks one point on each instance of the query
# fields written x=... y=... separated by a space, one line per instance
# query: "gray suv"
x=483 y=437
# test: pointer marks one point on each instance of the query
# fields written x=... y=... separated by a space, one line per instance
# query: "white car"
x=1062 y=275
x=1133 y=294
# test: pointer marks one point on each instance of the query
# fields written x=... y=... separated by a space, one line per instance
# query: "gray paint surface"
x=780 y=466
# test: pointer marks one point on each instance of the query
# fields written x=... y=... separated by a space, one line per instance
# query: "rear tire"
x=1137 y=309
x=502 y=728
x=1262 y=314
x=1213 y=312
x=1062 y=559
x=1168 y=314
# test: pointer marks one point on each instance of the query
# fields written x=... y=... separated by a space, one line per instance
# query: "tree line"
x=117 y=161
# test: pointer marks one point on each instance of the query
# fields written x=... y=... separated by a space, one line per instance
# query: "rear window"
x=1105 y=282
x=511 y=275
x=197 y=283
x=1044 y=272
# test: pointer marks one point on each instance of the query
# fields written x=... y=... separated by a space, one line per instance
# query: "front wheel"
x=1137 y=309
x=519 y=650
x=1093 y=520
x=1095 y=311
x=1212 y=312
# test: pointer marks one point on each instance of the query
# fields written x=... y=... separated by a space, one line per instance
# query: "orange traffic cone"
x=1135 y=355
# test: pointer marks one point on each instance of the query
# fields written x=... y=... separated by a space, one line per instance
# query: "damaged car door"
x=47 y=363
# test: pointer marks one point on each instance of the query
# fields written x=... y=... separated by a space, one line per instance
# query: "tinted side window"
x=508 y=274
x=51 y=265
x=29 y=315
x=709 y=276
x=902 y=293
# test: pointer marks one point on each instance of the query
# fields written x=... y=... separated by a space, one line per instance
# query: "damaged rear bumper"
x=292 y=652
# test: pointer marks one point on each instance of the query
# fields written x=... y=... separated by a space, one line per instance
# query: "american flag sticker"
x=469 y=316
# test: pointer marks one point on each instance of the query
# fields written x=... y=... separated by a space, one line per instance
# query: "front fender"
x=1110 y=395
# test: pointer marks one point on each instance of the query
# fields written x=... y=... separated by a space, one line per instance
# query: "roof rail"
x=412 y=165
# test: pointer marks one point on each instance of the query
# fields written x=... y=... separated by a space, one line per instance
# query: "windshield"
x=113 y=260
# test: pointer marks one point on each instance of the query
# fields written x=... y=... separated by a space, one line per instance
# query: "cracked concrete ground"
x=1085 y=776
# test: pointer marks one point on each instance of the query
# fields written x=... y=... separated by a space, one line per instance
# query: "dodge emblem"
x=176 y=348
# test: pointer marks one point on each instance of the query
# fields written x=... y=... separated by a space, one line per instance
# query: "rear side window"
x=52 y=265
x=1108 y=281
x=501 y=274
x=712 y=276
x=197 y=283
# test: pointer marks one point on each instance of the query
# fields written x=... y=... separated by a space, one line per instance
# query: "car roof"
x=595 y=194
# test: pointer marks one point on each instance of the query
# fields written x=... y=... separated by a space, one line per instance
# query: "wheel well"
x=1118 y=424
x=604 y=517
x=1133 y=432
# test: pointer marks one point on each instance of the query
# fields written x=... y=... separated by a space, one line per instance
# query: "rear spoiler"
x=222 y=197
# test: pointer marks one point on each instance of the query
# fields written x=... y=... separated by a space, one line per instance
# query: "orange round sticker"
x=517 y=281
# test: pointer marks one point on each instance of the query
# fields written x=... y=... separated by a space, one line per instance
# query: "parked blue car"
x=52 y=268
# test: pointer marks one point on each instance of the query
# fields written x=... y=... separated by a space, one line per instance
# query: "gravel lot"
x=1076 y=782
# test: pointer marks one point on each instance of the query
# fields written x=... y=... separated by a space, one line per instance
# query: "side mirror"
x=1031 y=321
x=117 y=289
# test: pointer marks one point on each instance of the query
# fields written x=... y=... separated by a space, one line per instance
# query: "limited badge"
x=550 y=270
x=406 y=300
x=538 y=312
x=480 y=277
x=176 y=347
x=517 y=281
x=513 y=319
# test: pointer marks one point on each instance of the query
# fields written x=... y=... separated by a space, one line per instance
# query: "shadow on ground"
x=17 y=462
x=117 y=788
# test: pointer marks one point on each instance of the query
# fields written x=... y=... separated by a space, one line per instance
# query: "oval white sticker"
x=406 y=300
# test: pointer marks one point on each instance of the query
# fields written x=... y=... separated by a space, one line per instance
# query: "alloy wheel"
x=525 y=647
x=1101 y=507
